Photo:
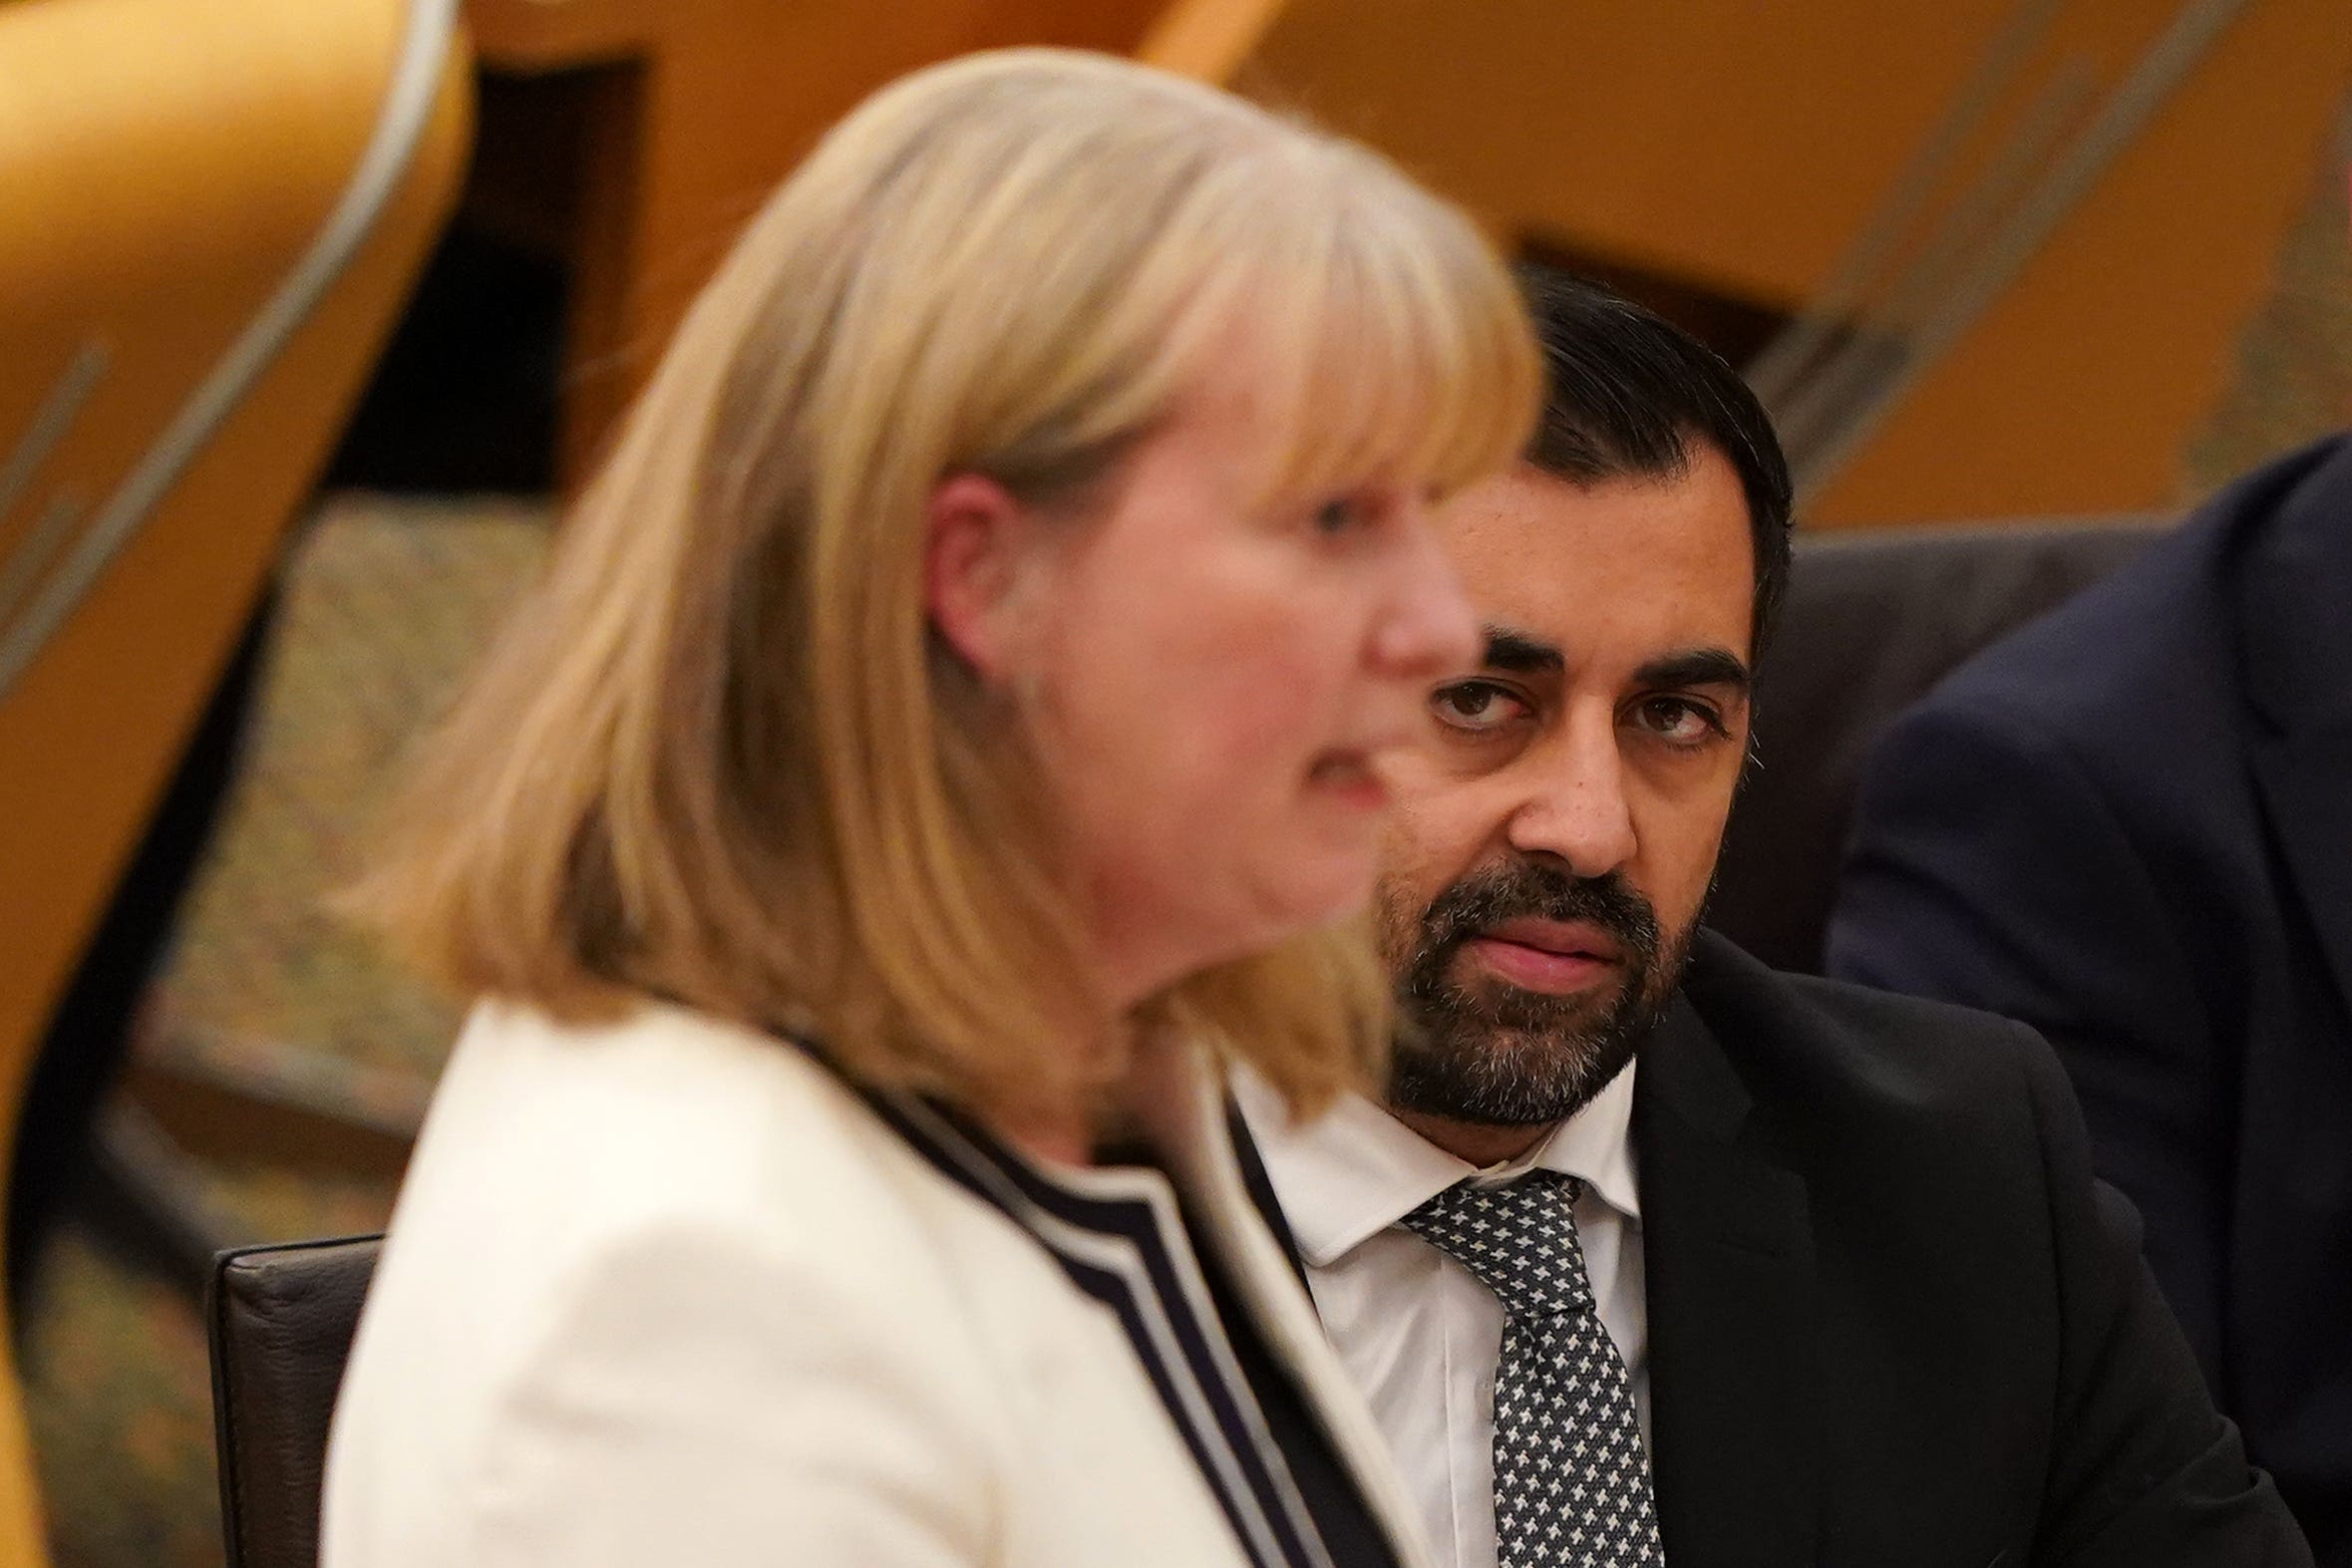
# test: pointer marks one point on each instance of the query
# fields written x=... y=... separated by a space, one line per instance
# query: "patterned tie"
x=1571 y=1477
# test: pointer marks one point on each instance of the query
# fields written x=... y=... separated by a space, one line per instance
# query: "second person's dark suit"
x=2130 y=827
x=1892 y=1319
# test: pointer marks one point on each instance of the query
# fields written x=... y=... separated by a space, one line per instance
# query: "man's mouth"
x=1553 y=957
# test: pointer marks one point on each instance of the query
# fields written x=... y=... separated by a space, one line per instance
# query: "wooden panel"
x=1210 y=40
x=109 y=704
x=1734 y=142
x=1741 y=146
x=2080 y=390
x=712 y=104
x=544 y=35
x=165 y=166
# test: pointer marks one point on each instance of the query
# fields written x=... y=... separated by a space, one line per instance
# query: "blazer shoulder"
x=553 y=1147
x=1835 y=1058
x=2159 y=627
x=2142 y=629
x=667 y=1223
x=660 y=1106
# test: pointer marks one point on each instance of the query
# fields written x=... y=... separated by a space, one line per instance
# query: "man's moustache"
x=1472 y=910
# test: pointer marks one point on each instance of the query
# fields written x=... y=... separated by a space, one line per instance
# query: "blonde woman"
x=950 y=728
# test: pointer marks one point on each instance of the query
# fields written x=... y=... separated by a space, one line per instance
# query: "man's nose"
x=1577 y=812
x=1426 y=629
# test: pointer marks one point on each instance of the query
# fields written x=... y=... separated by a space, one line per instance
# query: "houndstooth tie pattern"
x=1571 y=1477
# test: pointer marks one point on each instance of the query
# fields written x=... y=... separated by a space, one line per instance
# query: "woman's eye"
x=1679 y=721
x=1473 y=706
x=1341 y=515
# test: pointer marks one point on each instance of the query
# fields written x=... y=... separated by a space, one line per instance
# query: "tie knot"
x=1519 y=1238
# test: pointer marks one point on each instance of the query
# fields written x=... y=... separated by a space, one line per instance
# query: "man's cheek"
x=1396 y=920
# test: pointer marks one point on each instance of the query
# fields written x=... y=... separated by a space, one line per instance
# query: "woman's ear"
x=977 y=545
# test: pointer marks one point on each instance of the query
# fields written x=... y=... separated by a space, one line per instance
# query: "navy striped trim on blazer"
x=1119 y=1237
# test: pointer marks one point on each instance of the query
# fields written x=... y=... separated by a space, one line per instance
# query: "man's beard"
x=1480 y=1050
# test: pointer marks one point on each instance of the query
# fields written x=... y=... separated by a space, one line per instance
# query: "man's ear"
x=977 y=544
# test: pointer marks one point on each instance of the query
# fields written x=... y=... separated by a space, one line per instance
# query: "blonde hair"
x=720 y=757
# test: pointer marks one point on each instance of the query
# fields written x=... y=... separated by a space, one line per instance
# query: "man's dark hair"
x=1624 y=395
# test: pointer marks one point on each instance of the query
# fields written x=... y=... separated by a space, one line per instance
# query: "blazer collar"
x=1728 y=1249
x=2295 y=637
x=1192 y=1126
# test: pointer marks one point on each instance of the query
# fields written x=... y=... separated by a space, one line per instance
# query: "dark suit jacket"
x=1893 y=1322
x=2130 y=827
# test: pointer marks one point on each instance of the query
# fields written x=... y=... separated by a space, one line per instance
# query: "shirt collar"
x=1349 y=1174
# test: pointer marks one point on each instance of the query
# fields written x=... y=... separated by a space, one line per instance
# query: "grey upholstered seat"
x=1871 y=621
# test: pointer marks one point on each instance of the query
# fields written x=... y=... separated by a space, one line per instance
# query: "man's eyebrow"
x=1521 y=654
x=1696 y=667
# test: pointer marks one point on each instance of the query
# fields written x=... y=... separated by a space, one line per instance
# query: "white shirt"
x=1417 y=1329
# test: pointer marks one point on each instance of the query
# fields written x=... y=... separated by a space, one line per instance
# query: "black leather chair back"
x=1871 y=621
x=281 y=1320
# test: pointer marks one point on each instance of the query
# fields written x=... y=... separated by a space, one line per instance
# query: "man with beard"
x=1653 y=1255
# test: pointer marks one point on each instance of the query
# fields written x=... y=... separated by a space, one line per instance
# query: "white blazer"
x=666 y=1292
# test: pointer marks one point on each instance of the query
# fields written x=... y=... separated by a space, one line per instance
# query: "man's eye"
x=1473 y=706
x=1680 y=720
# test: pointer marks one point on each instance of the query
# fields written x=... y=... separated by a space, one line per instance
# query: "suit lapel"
x=1261 y=1187
x=2295 y=635
x=1728 y=1252
x=1193 y=1125
x=2306 y=784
